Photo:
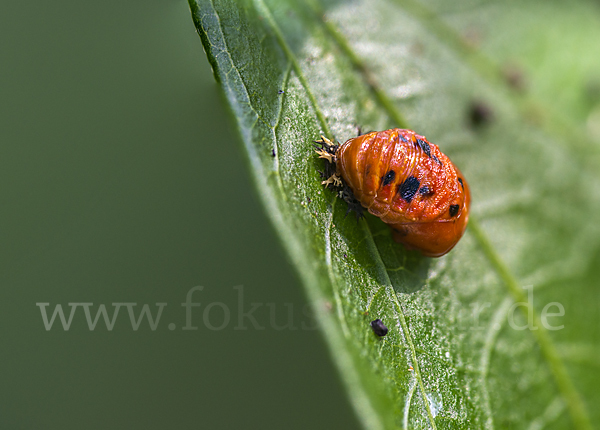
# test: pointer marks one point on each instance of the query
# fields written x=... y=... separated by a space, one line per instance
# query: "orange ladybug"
x=402 y=178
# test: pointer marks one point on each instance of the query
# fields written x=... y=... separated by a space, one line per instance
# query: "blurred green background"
x=123 y=180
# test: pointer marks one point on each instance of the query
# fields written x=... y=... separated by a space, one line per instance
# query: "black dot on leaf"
x=480 y=114
x=379 y=327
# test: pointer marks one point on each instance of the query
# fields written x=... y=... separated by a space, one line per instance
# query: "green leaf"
x=464 y=349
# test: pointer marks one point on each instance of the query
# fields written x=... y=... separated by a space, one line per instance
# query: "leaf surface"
x=465 y=349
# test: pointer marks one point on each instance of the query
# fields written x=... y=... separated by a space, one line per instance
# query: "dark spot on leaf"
x=272 y=153
x=388 y=178
x=514 y=76
x=409 y=188
x=280 y=92
x=379 y=327
x=480 y=114
x=592 y=91
x=454 y=210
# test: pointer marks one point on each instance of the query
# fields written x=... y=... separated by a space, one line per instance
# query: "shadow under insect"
x=369 y=238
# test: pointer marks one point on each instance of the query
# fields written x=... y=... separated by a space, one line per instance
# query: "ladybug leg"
x=327 y=150
x=324 y=154
x=334 y=180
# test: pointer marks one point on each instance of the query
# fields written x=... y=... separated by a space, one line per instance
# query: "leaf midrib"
x=400 y=317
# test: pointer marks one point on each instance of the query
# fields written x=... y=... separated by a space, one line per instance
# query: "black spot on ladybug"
x=454 y=210
x=461 y=183
x=402 y=138
x=425 y=191
x=425 y=147
x=379 y=327
x=409 y=188
x=388 y=178
x=437 y=160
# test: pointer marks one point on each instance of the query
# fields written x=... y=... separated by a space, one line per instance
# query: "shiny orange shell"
x=411 y=185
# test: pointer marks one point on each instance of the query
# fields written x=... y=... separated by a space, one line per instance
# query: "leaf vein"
x=399 y=316
x=491 y=337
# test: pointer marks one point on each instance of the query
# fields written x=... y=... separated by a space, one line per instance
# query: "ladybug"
x=402 y=178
